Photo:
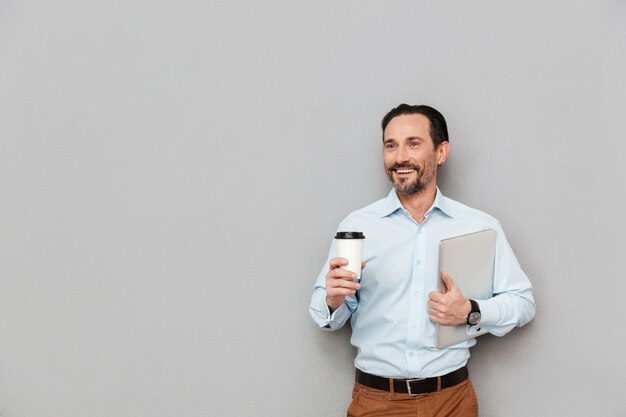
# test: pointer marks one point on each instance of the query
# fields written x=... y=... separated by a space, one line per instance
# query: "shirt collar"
x=392 y=204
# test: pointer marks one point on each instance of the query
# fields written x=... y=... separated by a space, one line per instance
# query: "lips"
x=402 y=170
x=405 y=171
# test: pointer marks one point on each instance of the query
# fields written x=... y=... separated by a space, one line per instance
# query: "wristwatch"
x=474 y=315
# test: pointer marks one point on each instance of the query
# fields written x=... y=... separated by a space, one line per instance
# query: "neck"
x=418 y=204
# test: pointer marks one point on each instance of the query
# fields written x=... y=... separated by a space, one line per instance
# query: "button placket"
x=414 y=323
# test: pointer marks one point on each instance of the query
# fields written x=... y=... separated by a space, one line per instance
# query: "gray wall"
x=171 y=174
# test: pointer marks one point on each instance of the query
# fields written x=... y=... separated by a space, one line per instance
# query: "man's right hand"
x=340 y=283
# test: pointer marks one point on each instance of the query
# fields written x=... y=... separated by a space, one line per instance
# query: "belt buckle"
x=408 y=387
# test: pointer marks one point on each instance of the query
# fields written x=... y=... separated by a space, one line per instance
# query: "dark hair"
x=438 y=125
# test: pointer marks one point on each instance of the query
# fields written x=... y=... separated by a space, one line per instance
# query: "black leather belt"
x=412 y=386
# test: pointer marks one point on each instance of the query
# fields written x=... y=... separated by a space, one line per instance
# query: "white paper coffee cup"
x=350 y=246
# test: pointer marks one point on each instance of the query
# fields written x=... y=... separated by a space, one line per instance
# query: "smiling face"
x=409 y=153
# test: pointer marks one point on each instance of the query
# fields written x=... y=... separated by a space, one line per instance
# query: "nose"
x=402 y=155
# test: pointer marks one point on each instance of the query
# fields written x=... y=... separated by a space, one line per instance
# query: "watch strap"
x=474 y=309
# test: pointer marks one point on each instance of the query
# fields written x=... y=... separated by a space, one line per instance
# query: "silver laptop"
x=469 y=260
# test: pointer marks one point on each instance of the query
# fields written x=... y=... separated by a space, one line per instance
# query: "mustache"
x=395 y=167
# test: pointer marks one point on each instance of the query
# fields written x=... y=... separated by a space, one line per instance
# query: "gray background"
x=171 y=174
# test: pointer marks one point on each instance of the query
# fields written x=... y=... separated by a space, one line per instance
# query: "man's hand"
x=448 y=306
x=340 y=283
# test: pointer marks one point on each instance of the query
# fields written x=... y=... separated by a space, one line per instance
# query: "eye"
x=414 y=144
x=389 y=146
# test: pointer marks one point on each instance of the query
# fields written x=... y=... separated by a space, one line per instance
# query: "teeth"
x=404 y=171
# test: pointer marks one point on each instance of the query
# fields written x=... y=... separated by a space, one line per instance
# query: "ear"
x=442 y=152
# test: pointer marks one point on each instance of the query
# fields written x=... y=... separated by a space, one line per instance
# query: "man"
x=397 y=304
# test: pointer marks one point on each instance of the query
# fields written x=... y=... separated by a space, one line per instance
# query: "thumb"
x=447 y=281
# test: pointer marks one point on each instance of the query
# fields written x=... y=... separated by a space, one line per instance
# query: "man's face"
x=409 y=154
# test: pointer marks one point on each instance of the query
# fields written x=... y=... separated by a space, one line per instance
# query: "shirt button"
x=411 y=354
x=419 y=261
x=413 y=324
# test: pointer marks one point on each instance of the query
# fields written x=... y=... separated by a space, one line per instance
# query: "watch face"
x=474 y=318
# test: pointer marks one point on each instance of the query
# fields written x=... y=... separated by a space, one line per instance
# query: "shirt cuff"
x=489 y=316
x=338 y=317
x=322 y=316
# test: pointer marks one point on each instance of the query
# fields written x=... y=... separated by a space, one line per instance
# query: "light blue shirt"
x=391 y=330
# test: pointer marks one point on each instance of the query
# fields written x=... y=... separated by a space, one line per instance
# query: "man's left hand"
x=448 y=306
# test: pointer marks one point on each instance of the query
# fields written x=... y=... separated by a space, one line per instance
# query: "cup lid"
x=349 y=235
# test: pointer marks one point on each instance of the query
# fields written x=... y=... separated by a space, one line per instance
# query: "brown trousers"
x=456 y=401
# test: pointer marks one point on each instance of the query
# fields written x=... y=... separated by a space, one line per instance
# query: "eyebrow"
x=409 y=138
x=415 y=138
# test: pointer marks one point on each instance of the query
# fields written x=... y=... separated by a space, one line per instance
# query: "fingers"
x=339 y=273
x=441 y=314
x=434 y=318
x=338 y=262
x=448 y=309
x=440 y=311
x=342 y=290
x=437 y=308
x=340 y=282
x=340 y=278
x=440 y=319
x=436 y=297
x=435 y=314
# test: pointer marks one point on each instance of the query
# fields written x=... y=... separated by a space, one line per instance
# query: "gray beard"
x=409 y=188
